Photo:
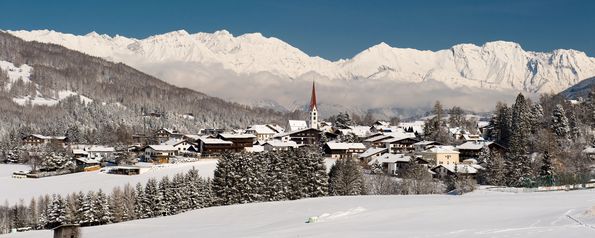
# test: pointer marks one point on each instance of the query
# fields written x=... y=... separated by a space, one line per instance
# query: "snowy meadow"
x=477 y=214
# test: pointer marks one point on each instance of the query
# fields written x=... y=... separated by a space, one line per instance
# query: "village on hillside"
x=380 y=146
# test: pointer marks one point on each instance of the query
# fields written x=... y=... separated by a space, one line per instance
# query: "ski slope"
x=479 y=214
x=12 y=189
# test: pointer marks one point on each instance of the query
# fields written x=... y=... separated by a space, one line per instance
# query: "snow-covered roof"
x=425 y=142
x=170 y=130
x=99 y=148
x=172 y=141
x=390 y=158
x=214 y=141
x=88 y=160
x=482 y=124
x=469 y=137
x=48 y=137
x=473 y=145
x=236 y=136
x=79 y=152
x=192 y=136
x=162 y=147
x=377 y=138
x=345 y=146
x=360 y=131
x=442 y=149
x=278 y=143
x=295 y=125
x=261 y=129
x=372 y=151
x=395 y=139
x=460 y=168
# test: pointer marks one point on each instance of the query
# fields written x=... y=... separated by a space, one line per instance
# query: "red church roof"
x=313 y=98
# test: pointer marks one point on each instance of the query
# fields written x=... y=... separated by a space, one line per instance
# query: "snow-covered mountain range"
x=271 y=70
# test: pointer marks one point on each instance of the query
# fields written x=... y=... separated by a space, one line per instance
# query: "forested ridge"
x=120 y=94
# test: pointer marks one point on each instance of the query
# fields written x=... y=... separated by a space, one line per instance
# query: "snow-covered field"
x=479 y=214
x=12 y=189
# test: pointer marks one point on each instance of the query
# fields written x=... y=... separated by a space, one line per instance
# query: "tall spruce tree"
x=518 y=162
x=560 y=125
x=546 y=171
x=57 y=212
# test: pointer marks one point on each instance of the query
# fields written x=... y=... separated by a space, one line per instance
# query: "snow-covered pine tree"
x=57 y=212
x=495 y=172
x=343 y=121
x=484 y=155
x=164 y=197
x=222 y=179
x=546 y=171
x=574 y=126
x=315 y=177
x=101 y=208
x=151 y=199
x=277 y=182
x=139 y=202
x=43 y=206
x=296 y=184
x=536 y=116
x=501 y=131
x=71 y=208
x=178 y=200
x=560 y=125
x=117 y=205
x=518 y=163
x=346 y=178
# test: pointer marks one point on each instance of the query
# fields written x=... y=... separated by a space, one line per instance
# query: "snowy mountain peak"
x=499 y=65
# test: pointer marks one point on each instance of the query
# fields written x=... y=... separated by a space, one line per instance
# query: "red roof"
x=313 y=98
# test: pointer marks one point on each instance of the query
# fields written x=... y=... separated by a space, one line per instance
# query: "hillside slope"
x=110 y=94
x=479 y=214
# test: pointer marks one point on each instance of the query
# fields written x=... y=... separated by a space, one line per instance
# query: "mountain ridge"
x=272 y=65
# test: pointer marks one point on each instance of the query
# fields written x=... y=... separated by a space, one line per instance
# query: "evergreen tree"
x=277 y=181
x=573 y=124
x=495 y=171
x=518 y=163
x=484 y=155
x=315 y=176
x=57 y=212
x=536 y=118
x=560 y=124
x=164 y=196
x=221 y=179
x=343 y=121
x=346 y=178
x=435 y=129
x=546 y=172
x=101 y=208
x=139 y=202
x=151 y=199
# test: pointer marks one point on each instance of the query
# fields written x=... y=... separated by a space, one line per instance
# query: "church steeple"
x=313 y=109
x=313 y=97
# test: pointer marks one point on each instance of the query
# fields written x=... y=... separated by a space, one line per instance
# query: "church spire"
x=313 y=97
x=313 y=109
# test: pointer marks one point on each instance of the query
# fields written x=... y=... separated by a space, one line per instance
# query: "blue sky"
x=331 y=29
